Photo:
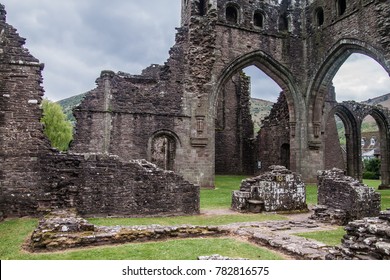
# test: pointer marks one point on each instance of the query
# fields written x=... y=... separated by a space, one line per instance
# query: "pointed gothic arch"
x=282 y=77
x=269 y=66
x=335 y=58
x=352 y=135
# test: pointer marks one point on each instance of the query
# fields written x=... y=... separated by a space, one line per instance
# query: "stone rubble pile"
x=366 y=239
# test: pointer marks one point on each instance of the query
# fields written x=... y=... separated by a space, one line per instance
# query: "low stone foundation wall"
x=343 y=199
x=366 y=239
x=278 y=190
x=64 y=229
x=106 y=185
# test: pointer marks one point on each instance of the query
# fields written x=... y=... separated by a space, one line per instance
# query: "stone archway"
x=283 y=78
x=320 y=105
x=162 y=149
x=322 y=82
x=383 y=125
x=352 y=133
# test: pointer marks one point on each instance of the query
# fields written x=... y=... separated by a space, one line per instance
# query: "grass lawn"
x=221 y=196
x=330 y=237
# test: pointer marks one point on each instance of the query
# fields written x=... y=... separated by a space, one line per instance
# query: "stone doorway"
x=163 y=151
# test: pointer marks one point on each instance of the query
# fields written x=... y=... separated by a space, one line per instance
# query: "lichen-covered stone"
x=64 y=229
x=277 y=190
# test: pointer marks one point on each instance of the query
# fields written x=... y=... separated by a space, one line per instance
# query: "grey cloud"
x=77 y=39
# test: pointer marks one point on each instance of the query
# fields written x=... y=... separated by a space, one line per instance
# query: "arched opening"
x=283 y=22
x=258 y=19
x=232 y=14
x=342 y=145
x=362 y=79
x=163 y=150
x=370 y=145
x=247 y=139
x=202 y=6
x=376 y=147
x=285 y=155
x=320 y=18
x=341 y=7
x=359 y=79
x=335 y=153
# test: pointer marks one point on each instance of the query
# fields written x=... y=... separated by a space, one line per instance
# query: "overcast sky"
x=77 y=39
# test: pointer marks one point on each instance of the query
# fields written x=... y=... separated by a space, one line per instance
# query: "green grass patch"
x=13 y=233
x=221 y=196
x=330 y=237
x=311 y=195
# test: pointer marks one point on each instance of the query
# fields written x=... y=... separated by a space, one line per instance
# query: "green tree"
x=56 y=126
x=372 y=168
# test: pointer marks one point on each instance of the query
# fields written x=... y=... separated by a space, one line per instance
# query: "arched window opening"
x=320 y=17
x=231 y=14
x=202 y=7
x=283 y=22
x=371 y=150
x=163 y=151
x=341 y=6
x=258 y=20
x=285 y=155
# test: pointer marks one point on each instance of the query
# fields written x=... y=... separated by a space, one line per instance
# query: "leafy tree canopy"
x=56 y=126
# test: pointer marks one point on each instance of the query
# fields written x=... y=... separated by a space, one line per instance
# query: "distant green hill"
x=69 y=104
x=259 y=110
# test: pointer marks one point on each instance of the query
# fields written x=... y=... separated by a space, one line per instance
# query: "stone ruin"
x=168 y=113
x=366 y=239
x=65 y=229
x=277 y=190
x=342 y=199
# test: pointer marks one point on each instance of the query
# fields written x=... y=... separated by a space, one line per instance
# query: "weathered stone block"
x=344 y=198
x=278 y=190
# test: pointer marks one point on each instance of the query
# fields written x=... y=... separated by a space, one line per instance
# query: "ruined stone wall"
x=102 y=185
x=21 y=134
x=355 y=200
x=234 y=129
x=35 y=178
x=273 y=139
